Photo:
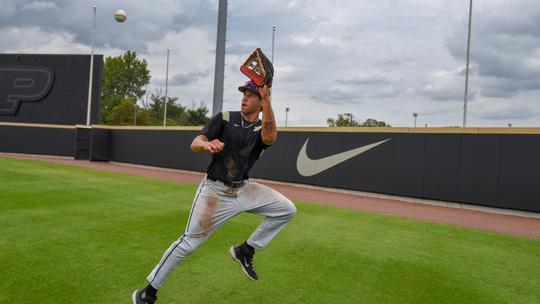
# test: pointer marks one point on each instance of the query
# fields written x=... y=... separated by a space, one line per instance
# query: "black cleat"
x=140 y=297
x=246 y=260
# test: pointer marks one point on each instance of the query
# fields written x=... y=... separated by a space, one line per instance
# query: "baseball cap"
x=250 y=85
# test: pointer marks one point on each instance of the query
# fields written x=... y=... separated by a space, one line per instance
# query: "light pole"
x=273 y=38
x=219 y=71
x=415 y=115
x=135 y=113
x=166 y=88
x=286 y=115
x=89 y=104
x=467 y=68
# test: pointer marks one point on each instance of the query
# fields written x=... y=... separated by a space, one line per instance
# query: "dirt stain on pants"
x=206 y=220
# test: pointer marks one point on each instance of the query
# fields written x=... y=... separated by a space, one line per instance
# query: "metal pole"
x=219 y=73
x=273 y=38
x=415 y=115
x=89 y=104
x=166 y=89
x=286 y=115
x=467 y=68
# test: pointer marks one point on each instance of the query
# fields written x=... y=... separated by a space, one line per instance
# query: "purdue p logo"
x=20 y=83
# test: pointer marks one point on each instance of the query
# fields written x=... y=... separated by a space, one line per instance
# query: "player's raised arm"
x=269 y=129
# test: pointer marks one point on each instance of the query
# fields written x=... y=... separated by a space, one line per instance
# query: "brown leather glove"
x=258 y=68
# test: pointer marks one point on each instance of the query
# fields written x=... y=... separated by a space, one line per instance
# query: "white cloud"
x=446 y=85
x=191 y=64
x=304 y=40
x=36 y=40
x=39 y=5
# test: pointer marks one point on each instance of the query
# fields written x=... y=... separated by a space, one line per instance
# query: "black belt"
x=232 y=184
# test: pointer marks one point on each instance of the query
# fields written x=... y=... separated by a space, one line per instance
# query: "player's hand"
x=214 y=146
x=265 y=92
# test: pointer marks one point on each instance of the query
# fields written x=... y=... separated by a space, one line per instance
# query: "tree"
x=124 y=114
x=347 y=120
x=343 y=120
x=177 y=114
x=124 y=77
x=197 y=115
x=370 y=122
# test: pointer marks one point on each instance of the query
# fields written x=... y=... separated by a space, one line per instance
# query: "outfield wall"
x=491 y=167
x=49 y=88
x=37 y=139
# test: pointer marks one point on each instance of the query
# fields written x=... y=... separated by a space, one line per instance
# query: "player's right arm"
x=201 y=144
x=207 y=139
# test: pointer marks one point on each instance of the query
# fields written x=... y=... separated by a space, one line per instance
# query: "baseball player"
x=235 y=140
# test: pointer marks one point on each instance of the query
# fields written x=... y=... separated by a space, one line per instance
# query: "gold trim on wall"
x=413 y=130
x=35 y=125
x=305 y=129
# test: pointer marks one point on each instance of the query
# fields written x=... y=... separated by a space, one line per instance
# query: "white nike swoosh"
x=309 y=167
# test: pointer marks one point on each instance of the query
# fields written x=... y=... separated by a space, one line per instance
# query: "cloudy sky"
x=381 y=59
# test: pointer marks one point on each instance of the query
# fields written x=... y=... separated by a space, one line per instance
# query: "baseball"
x=120 y=15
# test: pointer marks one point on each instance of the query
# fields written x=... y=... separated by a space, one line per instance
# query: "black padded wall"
x=48 y=89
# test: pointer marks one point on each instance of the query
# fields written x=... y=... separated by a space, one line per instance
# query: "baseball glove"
x=258 y=68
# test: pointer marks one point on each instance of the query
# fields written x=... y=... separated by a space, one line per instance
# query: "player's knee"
x=188 y=245
x=291 y=208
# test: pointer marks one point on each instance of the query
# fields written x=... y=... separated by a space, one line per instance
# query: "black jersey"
x=243 y=146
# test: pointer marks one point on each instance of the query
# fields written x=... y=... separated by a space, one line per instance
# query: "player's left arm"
x=269 y=129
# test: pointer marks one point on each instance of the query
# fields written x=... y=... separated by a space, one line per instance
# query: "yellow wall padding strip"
x=34 y=125
x=414 y=130
x=305 y=129
x=157 y=128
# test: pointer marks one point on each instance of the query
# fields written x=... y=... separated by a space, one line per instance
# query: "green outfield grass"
x=74 y=235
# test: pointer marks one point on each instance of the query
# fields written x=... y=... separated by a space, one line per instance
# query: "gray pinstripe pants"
x=215 y=204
